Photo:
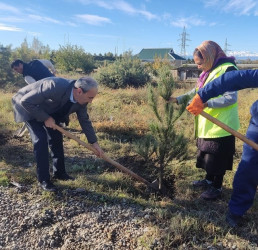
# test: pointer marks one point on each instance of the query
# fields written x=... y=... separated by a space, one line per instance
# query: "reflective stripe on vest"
x=228 y=115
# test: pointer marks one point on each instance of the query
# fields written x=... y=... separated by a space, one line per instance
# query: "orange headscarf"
x=211 y=52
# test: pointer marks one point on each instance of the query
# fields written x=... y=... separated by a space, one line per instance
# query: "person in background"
x=246 y=177
x=29 y=79
x=45 y=103
x=216 y=147
x=32 y=72
x=49 y=65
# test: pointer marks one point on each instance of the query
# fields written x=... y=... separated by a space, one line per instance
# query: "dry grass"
x=120 y=118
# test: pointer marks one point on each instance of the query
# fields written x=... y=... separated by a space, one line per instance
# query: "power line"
x=183 y=38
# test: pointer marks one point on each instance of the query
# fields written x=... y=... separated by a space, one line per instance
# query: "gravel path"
x=74 y=221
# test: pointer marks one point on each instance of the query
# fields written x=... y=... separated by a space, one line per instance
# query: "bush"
x=159 y=63
x=72 y=58
x=124 y=72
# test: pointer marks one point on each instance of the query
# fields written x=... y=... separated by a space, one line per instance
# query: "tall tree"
x=6 y=73
x=28 y=52
x=23 y=52
x=40 y=50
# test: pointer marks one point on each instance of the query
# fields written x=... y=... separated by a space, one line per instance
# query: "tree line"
x=66 y=59
x=115 y=71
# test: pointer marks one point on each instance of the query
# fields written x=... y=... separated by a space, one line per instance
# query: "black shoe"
x=233 y=219
x=48 y=186
x=63 y=177
x=211 y=194
x=201 y=184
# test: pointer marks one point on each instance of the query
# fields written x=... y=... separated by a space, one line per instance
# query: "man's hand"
x=50 y=123
x=98 y=149
x=196 y=106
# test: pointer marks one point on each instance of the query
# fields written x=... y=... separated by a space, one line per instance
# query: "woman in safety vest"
x=216 y=147
x=246 y=178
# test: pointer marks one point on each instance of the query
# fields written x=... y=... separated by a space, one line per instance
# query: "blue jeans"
x=246 y=177
x=42 y=139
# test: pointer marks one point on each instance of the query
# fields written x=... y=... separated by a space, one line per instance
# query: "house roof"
x=177 y=57
x=165 y=53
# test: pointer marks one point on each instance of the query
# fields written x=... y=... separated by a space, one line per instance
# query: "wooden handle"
x=71 y=136
x=105 y=157
x=126 y=170
x=230 y=130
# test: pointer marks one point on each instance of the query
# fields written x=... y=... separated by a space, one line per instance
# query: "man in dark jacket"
x=35 y=69
x=45 y=103
x=32 y=72
x=246 y=177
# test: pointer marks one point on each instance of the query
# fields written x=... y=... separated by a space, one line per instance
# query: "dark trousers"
x=215 y=166
x=42 y=139
x=246 y=177
x=217 y=180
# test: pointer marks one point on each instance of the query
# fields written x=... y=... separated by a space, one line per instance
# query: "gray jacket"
x=44 y=97
x=227 y=99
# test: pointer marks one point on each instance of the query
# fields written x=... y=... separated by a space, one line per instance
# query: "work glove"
x=196 y=106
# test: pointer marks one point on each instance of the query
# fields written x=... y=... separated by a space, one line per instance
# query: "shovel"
x=230 y=130
x=153 y=186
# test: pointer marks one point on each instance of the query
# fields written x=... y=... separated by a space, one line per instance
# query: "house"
x=187 y=71
x=149 y=55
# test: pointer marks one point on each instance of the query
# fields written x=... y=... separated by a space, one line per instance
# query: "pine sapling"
x=168 y=144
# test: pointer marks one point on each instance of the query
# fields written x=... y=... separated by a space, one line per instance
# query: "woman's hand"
x=172 y=99
x=196 y=106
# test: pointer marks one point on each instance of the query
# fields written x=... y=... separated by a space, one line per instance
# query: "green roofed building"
x=148 y=55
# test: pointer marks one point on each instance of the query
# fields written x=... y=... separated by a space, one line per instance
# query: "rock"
x=147 y=216
x=80 y=190
x=40 y=243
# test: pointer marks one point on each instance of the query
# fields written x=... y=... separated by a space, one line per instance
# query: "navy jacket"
x=230 y=81
x=36 y=70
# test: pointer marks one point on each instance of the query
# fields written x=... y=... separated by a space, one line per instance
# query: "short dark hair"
x=16 y=63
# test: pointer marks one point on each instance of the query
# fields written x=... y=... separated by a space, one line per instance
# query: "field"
x=120 y=117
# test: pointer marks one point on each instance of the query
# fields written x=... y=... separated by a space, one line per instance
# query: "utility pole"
x=226 y=47
x=183 y=39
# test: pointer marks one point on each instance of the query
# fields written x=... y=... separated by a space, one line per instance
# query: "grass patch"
x=4 y=181
x=120 y=118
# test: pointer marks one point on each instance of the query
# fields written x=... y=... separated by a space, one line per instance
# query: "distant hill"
x=238 y=58
x=252 y=58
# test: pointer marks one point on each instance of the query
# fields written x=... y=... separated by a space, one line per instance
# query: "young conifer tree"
x=169 y=144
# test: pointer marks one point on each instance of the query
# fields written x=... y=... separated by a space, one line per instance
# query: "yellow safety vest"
x=228 y=115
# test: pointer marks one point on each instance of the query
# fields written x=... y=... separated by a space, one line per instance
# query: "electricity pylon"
x=183 y=38
x=226 y=47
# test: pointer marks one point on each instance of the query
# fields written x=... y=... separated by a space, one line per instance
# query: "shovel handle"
x=230 y=130
x=105 y=157
x=71 y=136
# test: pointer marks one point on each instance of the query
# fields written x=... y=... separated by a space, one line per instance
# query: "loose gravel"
x=31 y=221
